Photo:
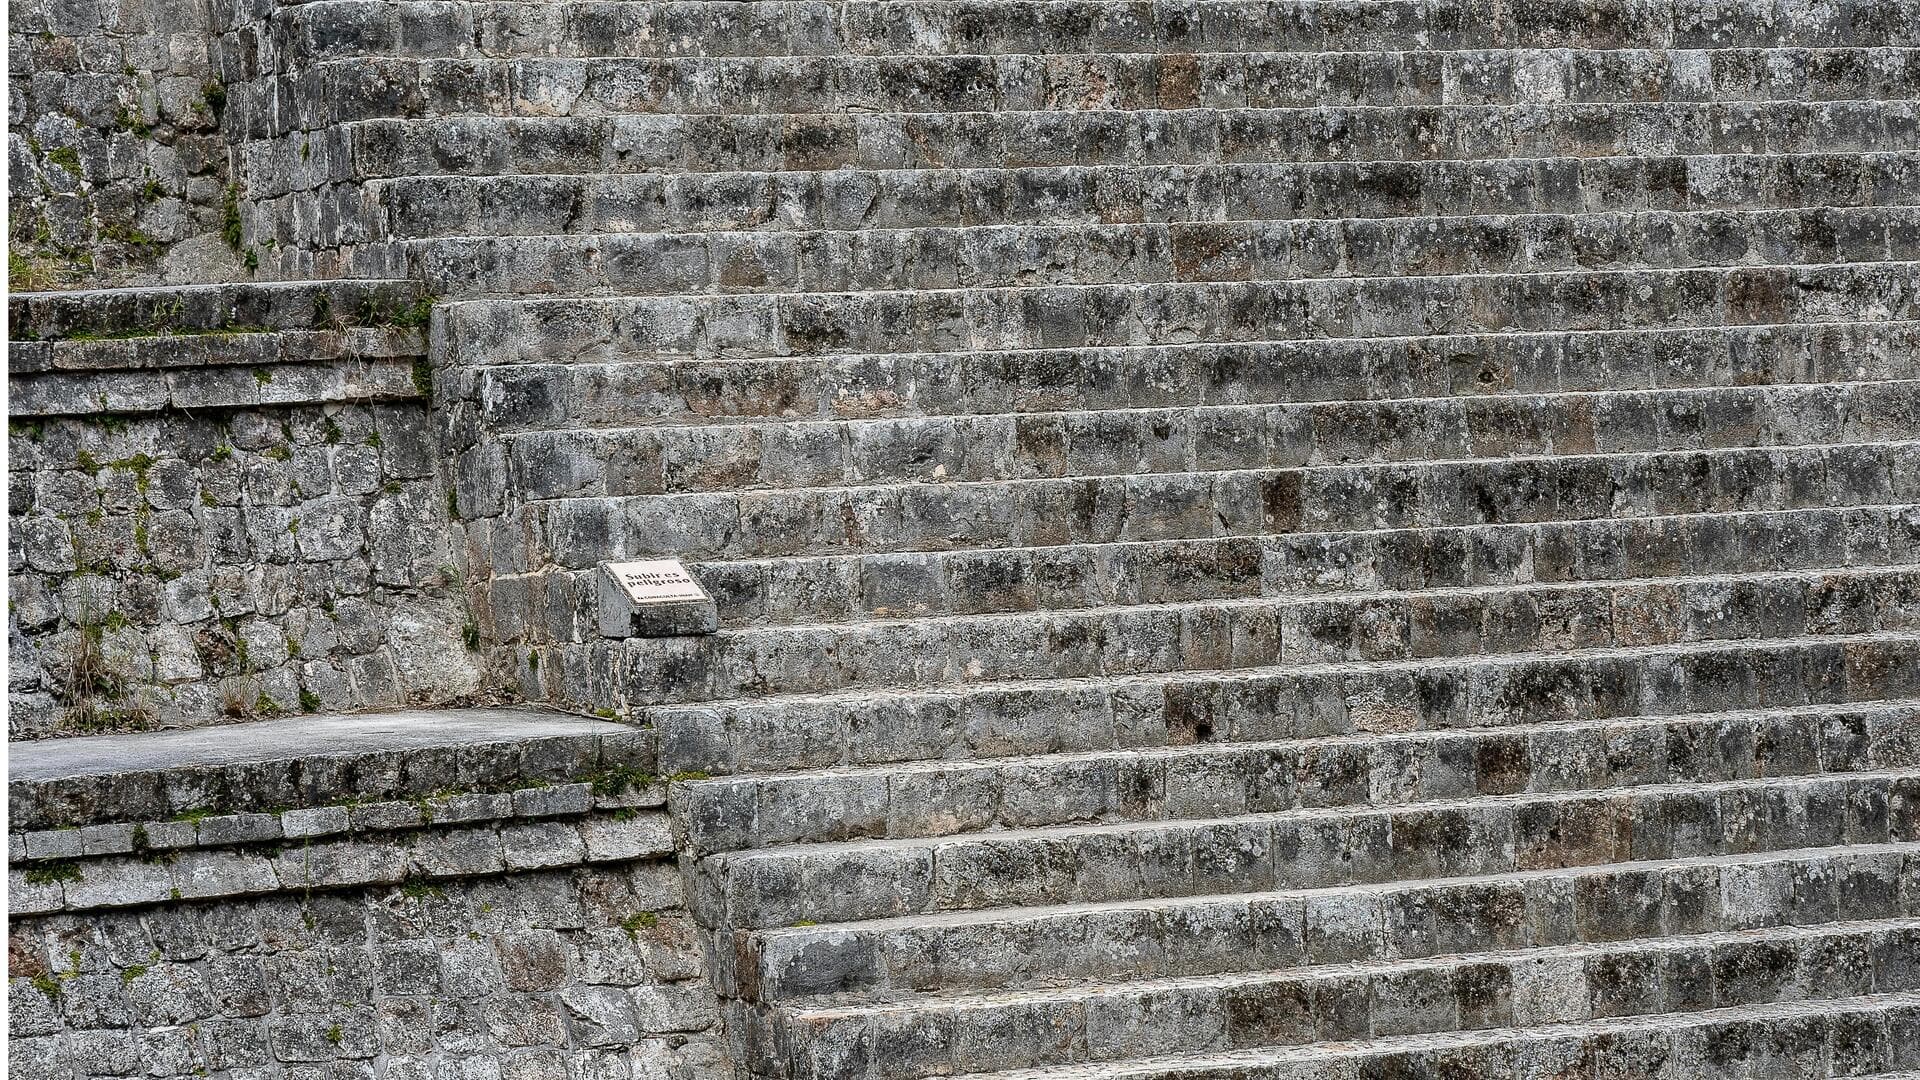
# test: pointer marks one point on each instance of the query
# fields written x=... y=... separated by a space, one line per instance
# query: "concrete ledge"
x=311 y=761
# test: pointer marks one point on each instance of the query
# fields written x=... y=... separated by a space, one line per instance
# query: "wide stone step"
x=419 y=206
x=1587 y=551
x=1474 y=991
x=580 y=383
x=488 y=145
x=1046 y=947
x=1223 y=779
x=369 y=87
x=875 y=879
x=845 y=588
x=936 y=27
x=1105 y=316
x=769 y=454
x=1034 y=717
x=1001 y=257
x=579 y=532
x=1807 y=1040
x=1229 y=635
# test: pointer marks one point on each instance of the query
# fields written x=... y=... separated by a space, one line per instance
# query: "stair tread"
x=1196 y=750
x=1355 y=596
x=1515 y=460
x=1505 y=399
x=1041 y=912
x=1236 y=1063
x=969 y=999
x=1234 y=674
x=1299 y=121
x=819 y=849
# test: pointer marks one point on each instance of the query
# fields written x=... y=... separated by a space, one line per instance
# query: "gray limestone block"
x=553 y=801
x=26 y=897
x=315 y=821
x=640 y=836
x=539 y=845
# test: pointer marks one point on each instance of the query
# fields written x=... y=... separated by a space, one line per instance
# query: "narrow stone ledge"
x=83 y=393
x=238 y=784
x=233 y=830
x=239 y=349
x=426 y=854
x=206 y=309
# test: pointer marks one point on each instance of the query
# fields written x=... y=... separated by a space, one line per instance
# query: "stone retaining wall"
x=119 y=171
x=524 y=921
x=216 y=524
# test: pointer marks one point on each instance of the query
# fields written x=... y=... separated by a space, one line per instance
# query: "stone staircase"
x=1319 y=538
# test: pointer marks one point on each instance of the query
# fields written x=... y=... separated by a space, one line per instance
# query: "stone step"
x=1031 y=948
x=419 y=206
x=1067 y=317
x=1230 y=635
x=1034 y=717
x=579 y=532
x=83 y=316
x=935 y=27
x=1810 y=1040
x=1482 y=835
x=1474 y=991
x=368 y=87
x=756 y=454
x=566 y=372
x=847 y=588
x=1002 y=257
x=803 y=589
x=1223 y=779
x=1804 y=1040
x=487 y=145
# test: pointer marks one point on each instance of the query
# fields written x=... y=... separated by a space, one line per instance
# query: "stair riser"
x=1498 y=992
x=1588 y=551
x=590 y=386
x=1322 y=849
x=806 y=591
x=990 y=257
x=745 y=143
x=1217 y=313
x=1054 y=718
x=1843 y=1037
x=578 y=533
x=1334 y=275
x=320 y=30
x=425 y=206
x=670 y=460
x=1255 y=634
x=363 y=88
x=727 y=815
x=1281 y=931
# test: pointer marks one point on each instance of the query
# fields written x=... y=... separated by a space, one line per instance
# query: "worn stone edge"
x=403 y=857
x=615 y=763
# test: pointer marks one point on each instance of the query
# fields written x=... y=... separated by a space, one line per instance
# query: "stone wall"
x=119 y=171
x=497 y=899
x=186 y=569
x=217 y=526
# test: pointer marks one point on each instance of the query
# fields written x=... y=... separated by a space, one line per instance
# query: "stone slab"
x=295 y=737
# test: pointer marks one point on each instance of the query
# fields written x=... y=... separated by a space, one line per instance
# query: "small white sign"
x=656 y=581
